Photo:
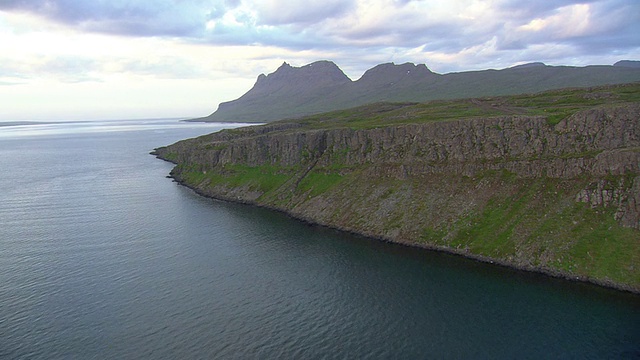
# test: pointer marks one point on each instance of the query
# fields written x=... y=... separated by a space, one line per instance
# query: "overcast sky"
x=110 y=59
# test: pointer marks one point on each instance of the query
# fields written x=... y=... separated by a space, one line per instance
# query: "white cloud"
x=567 y=22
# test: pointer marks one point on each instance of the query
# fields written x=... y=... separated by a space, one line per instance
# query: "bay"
x=102 y=256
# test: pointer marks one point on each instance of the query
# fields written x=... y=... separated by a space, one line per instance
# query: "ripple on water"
x=103 y=257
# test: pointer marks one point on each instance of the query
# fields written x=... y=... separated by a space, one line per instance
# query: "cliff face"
x=563 y=199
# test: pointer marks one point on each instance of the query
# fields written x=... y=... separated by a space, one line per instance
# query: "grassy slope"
x=530 y=223
x=555 y=105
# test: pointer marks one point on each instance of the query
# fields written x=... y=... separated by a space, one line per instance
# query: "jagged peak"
x=320 y=64
x=302 y=79
x=261 y=78
x=322 y=70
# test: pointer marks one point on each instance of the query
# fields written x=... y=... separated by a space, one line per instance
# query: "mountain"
x=292 y=92
x=286 y=89
x=628 y=63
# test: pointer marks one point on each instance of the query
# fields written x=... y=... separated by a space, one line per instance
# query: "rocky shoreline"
x=562 y=199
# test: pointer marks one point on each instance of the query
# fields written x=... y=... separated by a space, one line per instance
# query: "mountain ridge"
x=321 y=86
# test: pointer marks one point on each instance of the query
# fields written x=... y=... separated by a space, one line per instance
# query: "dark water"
x=103 y=257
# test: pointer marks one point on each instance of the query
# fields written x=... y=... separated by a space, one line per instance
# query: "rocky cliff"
x=518 y=190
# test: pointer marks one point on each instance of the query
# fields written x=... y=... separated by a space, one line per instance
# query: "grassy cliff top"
x=555 y=105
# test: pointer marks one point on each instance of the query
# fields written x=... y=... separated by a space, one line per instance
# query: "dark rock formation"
x=514 y=190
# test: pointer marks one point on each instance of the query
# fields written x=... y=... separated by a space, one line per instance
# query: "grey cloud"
x=613 y=25
x=287 y=12
x=529 y=10
x=247 y=34
x=132 y=18
x=219 y=9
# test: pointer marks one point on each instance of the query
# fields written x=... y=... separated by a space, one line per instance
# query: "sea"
x=104 y=257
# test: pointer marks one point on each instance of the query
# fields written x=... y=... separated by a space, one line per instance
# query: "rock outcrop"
x=511 y=189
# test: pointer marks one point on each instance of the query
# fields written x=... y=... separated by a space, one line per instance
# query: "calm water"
x=103 y=257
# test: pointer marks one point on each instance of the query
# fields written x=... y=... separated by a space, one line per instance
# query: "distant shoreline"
x=21 y=123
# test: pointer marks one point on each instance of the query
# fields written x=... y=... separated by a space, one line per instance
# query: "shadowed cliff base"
x=547 y=182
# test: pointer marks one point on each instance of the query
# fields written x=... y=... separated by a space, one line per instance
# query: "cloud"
x=192 y=54
x=370 y=31
x=132 y=18
x=436 y=26
x=286 y=12
x=586 y=30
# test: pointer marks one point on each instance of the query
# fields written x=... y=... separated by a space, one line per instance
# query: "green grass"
x=491 y=232
x=265 y=178
x=172 y=156
x=556 y=105
x=603 y=249
x=261 y=178
x=317 y=182
x=542 y=224
x=194 y=177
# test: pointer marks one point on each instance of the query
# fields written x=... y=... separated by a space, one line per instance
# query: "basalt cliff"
x=553 y=186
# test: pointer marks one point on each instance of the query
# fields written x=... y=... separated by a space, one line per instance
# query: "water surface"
x=102 y=256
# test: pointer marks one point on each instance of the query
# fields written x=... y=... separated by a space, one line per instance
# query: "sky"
x=128 y=59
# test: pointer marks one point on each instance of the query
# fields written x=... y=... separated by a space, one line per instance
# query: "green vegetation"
x=317 y=182
x=555 y=105
x=172 y=156
x=260 y=178
x=539 y=225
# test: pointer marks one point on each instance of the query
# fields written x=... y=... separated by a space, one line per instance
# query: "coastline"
x=554 y=273
x=23 y=123
x=551 y=195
